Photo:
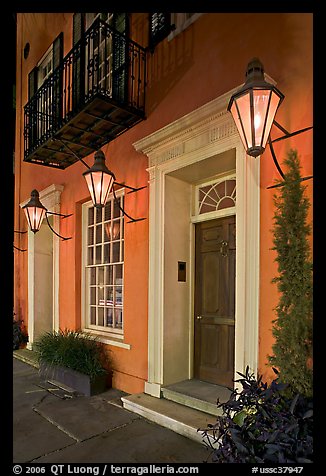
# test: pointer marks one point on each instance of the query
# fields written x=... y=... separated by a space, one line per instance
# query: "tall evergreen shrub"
x=292 y=329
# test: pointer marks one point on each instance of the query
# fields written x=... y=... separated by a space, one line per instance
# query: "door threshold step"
x=199 y=395
x=179 y=418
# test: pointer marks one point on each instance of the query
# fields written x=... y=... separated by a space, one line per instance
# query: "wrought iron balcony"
x=94 y=95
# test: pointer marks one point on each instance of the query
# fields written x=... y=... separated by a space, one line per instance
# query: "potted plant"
x=75 y=359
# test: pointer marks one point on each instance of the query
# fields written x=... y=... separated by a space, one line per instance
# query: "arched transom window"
x=216 y=196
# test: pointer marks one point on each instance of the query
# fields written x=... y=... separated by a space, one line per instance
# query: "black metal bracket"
x=60 y=215
x=286 y=135
x=21 y=233
x=132 y=220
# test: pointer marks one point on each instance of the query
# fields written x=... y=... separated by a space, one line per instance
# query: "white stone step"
x=191 y=402
x=196 y=394
x=179 y=418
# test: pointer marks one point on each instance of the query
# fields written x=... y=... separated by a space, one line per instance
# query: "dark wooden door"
x=215 y=301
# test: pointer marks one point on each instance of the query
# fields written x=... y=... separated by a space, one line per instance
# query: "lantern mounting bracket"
x=16 y=247
x=132 y=220
x=49 y=224
x=286 y=135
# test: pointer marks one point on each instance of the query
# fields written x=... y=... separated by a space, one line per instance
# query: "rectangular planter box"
x=71 y=378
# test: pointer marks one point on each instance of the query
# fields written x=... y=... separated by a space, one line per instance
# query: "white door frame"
x=50 y=198
x=203 y=133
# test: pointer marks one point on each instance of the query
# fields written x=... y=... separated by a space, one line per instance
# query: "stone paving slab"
x=84 y=417
x=33 y=436
x=139 y=442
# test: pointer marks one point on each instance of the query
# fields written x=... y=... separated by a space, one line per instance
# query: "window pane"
x=98 y=215
x=118 y=274
x=109 y=317
x=106 y=258
x=107 y=211
x=92 y=275
x=116 y=209
x=118 y=318
x=100 y=316
x=109 y=274
x=115 y=252
x=91 y=215
x=115 y=230
x=100 y=275
x=118 y=296
x=100 y=296
x=93 y=296
x=107 y=231
x=90 y=256
x=99 y=234
x=91 y=235
x=109 y=296
x=98 y=257
x=93 y=316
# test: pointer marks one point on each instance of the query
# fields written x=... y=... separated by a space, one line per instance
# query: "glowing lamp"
x=253 y=108
x=99 y=180
x=34 y=212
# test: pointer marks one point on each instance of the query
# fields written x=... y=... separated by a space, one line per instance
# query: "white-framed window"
x=103 y=266
x=181 y=21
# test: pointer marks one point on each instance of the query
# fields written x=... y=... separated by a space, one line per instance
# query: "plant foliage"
x=19 y=335
x=72 y=349
x=261 y=424
x=292 y=329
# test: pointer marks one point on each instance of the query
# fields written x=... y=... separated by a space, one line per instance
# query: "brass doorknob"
x=199 y=317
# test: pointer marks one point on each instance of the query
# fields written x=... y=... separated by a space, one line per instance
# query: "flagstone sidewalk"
x=56 y=426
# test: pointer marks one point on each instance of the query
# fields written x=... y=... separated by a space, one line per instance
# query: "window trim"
x=180 y=23
x=110 y=336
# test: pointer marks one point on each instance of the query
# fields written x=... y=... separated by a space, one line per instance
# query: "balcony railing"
x=95 y=94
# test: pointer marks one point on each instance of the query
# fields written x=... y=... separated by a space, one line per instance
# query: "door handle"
x=199 y=317
x=224 y=248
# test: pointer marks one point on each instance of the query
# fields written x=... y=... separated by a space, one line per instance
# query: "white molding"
x=50 y=198
x=199 y=135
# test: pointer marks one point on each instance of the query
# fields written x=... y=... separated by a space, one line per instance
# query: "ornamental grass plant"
x=75 y=350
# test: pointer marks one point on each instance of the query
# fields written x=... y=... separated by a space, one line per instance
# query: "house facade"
x=174 y=274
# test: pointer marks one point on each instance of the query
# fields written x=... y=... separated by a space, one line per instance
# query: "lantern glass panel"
x=275 y=101
x=243 y=104
x=237 y=121
x=260 y=103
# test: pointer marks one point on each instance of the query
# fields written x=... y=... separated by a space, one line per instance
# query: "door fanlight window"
x=216 y=196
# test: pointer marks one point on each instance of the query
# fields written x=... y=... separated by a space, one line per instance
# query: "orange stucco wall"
x=203 y=62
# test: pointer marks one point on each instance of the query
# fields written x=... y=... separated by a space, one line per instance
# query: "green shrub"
x=19 y=335
x=293 y=327
x=262 y=424
x=72 y=349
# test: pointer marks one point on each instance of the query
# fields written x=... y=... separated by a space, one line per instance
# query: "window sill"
x=115 y=341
